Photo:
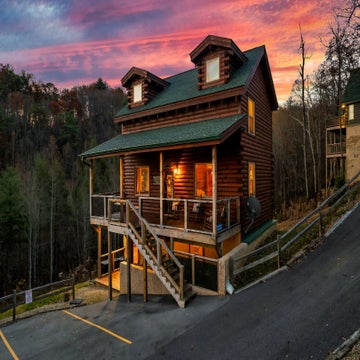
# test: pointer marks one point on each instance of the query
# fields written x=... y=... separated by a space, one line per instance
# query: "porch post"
x=161 y=189
x=121 y=177
x=214 y=188
x=110 y=265
x=91 y=184
x=122 y=210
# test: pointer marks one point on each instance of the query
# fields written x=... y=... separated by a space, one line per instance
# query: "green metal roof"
x=184 y=86
x=352 y=90
x=191 y=133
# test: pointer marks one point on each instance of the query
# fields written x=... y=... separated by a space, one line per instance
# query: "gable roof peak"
x=218 y=41
x=143 y=74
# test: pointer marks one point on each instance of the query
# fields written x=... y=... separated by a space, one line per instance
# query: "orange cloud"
x=111 y=36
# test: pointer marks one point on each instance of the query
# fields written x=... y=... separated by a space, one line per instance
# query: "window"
x=251 y=116
x=142 y=180
x=203 y=180
x=213 y=69
x=251 y=179
x=137 y=92
x=351 y=112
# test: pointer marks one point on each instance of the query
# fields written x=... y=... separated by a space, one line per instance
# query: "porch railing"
x=191 y=214
x=184 y=214
x=336 y=148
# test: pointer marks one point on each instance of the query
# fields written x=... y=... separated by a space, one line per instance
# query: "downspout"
x=84 y=162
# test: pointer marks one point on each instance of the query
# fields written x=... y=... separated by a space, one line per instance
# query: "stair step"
x=149 y=249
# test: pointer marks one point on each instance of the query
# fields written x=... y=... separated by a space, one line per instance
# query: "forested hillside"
x=44 y=193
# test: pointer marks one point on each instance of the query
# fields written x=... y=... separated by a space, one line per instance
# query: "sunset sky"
x=72 y=42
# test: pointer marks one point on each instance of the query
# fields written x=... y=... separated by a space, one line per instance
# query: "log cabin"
x=195 y=171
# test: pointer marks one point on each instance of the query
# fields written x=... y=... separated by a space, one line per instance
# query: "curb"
x=345 y=347
x=263 y=279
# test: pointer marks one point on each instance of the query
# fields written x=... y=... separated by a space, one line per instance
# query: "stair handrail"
x=159 y=242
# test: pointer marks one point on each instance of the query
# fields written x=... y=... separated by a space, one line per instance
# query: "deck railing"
x=184 y=214
x=191 y=214
x=201 y=270
x=336 y=148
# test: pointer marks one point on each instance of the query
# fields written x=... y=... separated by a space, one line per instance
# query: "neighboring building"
x=343 y=134
x=193 y=149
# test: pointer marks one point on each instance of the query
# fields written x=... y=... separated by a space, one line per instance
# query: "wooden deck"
x=104 y=280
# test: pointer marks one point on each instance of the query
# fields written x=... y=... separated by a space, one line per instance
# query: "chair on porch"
x=173 y=212
x=195 y=213
x=221 y=219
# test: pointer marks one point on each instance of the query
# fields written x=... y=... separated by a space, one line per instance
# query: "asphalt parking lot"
x=107 y=330
x=304 y=312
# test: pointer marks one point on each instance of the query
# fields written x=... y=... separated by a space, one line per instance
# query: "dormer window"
x=216 y=59
x=213 y=69
x=137 y=89
x=143 y=86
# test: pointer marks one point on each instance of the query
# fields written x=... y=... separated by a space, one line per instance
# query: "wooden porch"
x=115 y=280
x=185 y=219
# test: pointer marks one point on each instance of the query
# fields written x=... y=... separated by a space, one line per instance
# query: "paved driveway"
x=302 y=313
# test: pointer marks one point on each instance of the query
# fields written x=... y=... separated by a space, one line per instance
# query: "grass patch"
x=51 y=299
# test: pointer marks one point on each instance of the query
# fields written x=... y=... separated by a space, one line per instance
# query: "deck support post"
x=98 y=231
x=110 y=265
x=145 y=281
x=128 y=263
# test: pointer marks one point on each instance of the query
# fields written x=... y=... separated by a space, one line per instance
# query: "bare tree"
x=304 y=112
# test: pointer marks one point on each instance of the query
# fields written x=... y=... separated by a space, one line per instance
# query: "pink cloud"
x=112 y=36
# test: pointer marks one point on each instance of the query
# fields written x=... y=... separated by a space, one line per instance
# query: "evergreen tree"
x=13 y=228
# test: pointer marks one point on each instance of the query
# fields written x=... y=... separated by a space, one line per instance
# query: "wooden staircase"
x=159 y=257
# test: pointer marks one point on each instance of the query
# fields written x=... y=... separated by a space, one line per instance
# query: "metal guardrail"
x=27 y=296
x=283 y=242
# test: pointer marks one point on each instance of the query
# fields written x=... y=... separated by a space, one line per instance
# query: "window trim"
x=147 y=180
x=215 y=61
x=251 y=179
x=251 y=116
x=137 y=93
x=195 y=178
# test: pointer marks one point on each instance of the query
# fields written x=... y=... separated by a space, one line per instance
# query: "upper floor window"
x=251 y=116
x=203 y=180
x=213 y=69
x=351 y=112
x=142 y=180
x=137 y=89
x=251 y=179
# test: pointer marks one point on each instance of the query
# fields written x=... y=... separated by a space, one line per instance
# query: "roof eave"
x=180 y=104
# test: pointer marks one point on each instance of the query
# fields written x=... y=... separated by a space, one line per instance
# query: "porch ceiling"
x=208 y=131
